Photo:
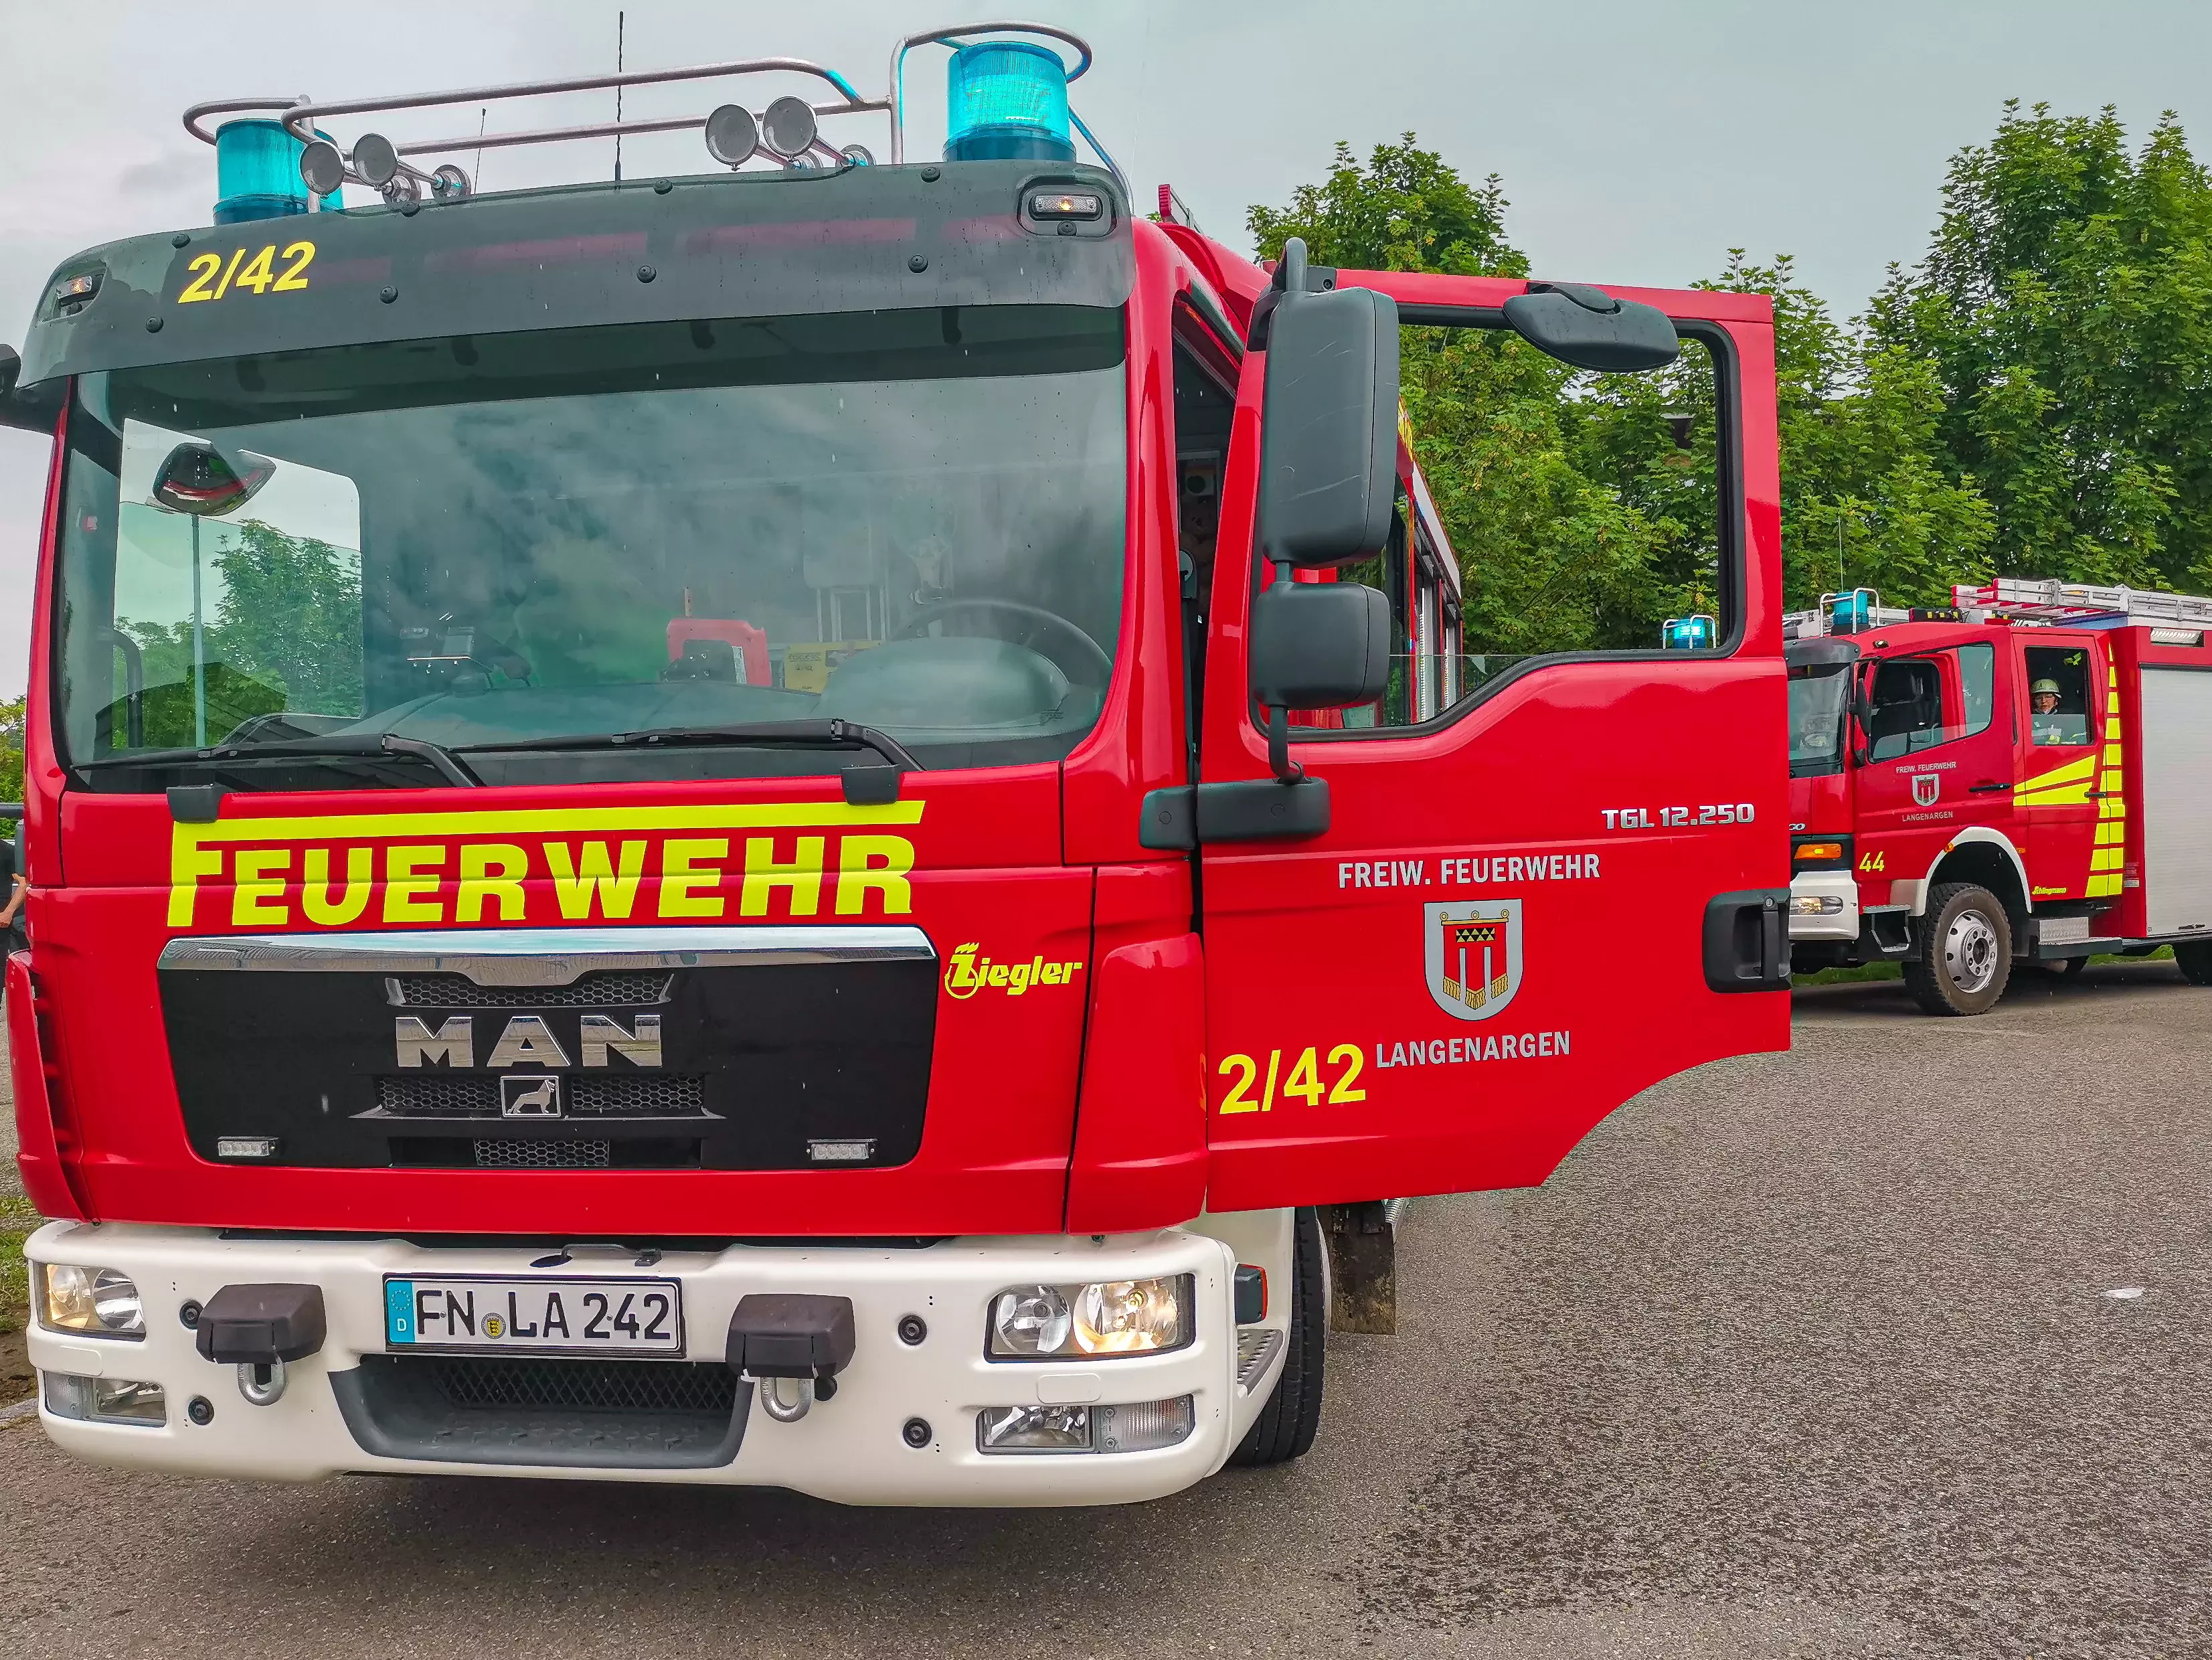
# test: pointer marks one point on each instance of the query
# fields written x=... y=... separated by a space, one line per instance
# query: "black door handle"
x=1746 y=940
x=1986 y=785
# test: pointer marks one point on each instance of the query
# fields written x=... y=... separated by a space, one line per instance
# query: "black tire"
x=2194 y=959
x=1961 y=952
x=1284 y=1428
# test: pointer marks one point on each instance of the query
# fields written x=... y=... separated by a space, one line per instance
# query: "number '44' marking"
x=1872 y=862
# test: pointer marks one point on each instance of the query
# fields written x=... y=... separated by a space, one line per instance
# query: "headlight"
x=1105 y=1317
x=97 y=1302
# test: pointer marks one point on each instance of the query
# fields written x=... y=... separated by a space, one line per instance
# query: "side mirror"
x=1320 y=645
x=1592 y=330
x=198 y=479
x=1328 y=454
x=1315 y=646
x=31 y=415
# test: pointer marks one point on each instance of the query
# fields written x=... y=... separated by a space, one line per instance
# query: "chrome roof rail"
x=302 y=114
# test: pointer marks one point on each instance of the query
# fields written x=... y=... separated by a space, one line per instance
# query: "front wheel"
x=2194 y=959
x=1284 y=1428
x=1961 y=952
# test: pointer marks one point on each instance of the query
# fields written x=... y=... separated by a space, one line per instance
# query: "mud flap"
x=1363 y=1267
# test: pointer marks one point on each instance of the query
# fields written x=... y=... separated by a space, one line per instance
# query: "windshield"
x=1817 y=697
x=908 y=521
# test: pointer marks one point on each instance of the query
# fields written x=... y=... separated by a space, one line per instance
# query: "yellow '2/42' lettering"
x=213 y=279
x=1304 y=1082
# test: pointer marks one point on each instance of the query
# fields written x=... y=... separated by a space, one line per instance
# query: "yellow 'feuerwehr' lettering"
x=259 y=895
x=859 y=874
x=315 y=887
x=492 y=872
x=187 y=864
x=680 y=876
x=409 y=897
x=764 y=873
x=577 y=881
x=492 y=881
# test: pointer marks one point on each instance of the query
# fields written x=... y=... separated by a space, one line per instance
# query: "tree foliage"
x=286 y=634
x=1917 y=448
x=2063 y=313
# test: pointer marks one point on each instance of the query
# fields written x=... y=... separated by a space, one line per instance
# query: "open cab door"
x=1473 y=899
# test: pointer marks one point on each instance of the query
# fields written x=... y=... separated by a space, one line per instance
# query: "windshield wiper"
x=864 y=785
x=339 y=746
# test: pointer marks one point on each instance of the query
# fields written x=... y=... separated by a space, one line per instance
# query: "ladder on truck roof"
x=2081 y=604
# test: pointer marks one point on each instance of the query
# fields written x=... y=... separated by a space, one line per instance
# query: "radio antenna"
x=620 y=17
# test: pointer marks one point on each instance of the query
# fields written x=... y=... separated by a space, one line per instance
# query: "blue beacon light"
x=256 y=169
x=1688 y=633
x=1006 y=100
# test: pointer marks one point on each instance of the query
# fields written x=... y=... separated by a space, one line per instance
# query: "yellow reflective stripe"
x=2074 y=771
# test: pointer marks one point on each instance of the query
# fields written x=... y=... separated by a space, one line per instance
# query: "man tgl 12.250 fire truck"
x=665 y=796
x=2023 y=776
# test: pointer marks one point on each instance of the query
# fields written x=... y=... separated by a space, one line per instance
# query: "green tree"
x=1407 y=209
x=2064 y=312
x=11 y=748
x=286 y=636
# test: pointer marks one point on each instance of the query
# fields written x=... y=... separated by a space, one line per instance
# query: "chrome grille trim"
x=546 y=957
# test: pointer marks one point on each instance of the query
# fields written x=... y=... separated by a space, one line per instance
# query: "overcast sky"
x=1638 y=139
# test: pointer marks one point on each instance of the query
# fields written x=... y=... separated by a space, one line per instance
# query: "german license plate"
x=541 y=1316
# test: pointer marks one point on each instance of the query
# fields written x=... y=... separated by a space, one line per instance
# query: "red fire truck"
x=2024 y=777
x=662 y=793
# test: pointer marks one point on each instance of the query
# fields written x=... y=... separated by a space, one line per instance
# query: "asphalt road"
x=1800 y=1355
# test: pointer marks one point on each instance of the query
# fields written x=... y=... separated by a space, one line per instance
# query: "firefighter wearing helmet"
x=2046 y=724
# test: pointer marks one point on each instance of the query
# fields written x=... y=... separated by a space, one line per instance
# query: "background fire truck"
x=2024 y=777
x=662 y=795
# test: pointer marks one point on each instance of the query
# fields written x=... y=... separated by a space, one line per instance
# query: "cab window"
x=1922 y=702
x=2058 y=695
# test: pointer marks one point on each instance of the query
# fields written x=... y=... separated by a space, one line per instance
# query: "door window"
x=2058 y=695
x=1549 y=511
x=1922 y=702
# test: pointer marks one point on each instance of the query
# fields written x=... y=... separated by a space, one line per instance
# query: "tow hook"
x=792 y=1346
x=260 y=1329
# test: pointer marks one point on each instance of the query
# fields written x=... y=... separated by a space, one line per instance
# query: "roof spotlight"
x=376 y=158
x=733 y=135
x=448 y=183
x=787 y=127
x=322 y=168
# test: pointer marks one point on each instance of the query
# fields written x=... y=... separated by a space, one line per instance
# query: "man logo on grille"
x=1472 y=956
x=529 y=1097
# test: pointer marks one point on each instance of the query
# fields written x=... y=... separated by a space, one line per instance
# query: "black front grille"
x=613 y=988
x=636 y=1095
x=435 y=1093
x=518 y=1410
x=548 y=1151
x=440 y=1095
x=517 y=1153
x=467 y=1381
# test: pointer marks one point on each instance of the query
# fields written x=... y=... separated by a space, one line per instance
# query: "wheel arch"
x=1987 y=858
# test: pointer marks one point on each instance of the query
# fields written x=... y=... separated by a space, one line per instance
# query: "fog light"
x=1817 y=904
x=98 y=1302
x=1142 y=1428
x=1033 y=1429
x=105 y=1400
x=1104 y=1318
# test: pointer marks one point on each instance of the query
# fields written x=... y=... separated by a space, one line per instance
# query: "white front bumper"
x=849 y=1449
x=1841 y=923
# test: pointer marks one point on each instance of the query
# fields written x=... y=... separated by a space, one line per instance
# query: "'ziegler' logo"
x=967 y=973
x=1472 y=958
x=527 y=1041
